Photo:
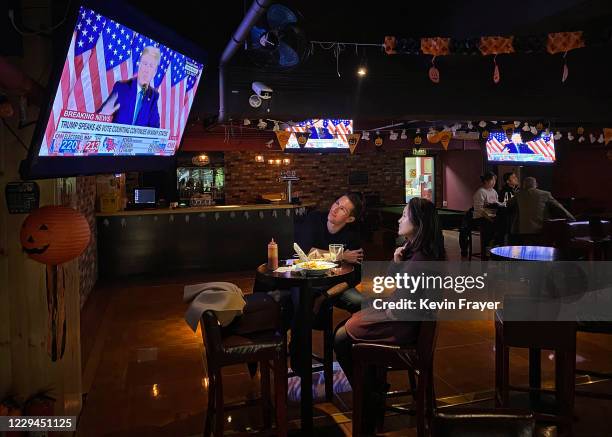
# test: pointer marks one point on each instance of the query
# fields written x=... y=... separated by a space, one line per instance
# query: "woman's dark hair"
x=357 y=202
x=487 y=176
x=427 y=237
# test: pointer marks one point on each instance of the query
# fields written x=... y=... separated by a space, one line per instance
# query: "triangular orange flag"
x=607 y=135
x=445 y=137
x=283 y=138
x=353 y=139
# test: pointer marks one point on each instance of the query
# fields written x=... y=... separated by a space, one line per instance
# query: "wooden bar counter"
x=211 y=238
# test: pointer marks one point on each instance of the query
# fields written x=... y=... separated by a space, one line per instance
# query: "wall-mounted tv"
x=539 y=150
x=121 y=99
x=325 y=133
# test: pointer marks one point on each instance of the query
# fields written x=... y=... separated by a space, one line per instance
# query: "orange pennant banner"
x=435 y=46
x=283 y=138
x=445 y=137
x=564 y=42
x=496 y=45
x=607 y=135
x=353 y=139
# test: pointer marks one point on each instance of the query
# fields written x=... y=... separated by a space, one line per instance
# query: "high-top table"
x=525 y=253
x=303 y=334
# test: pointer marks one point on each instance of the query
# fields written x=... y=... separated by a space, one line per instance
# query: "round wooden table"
x=303 y=333
x=525 y=253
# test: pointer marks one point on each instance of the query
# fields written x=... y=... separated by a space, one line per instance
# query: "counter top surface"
x=218 y=208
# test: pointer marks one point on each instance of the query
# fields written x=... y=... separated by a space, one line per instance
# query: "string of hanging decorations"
x=436 y=132
x=551 y=43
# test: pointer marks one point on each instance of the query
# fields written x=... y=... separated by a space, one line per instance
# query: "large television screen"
x=325 y=133
x=122 y=98
x=539 y=150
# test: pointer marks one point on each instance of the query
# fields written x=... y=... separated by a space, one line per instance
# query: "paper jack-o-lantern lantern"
x=53 y=235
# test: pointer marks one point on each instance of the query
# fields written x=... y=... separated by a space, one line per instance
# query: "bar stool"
x=416 y=358
x=241 y=343
x=557 y=336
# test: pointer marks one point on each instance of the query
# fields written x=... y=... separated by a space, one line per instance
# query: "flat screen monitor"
x=539 y=150
x=324 y=133
x=121 y=99
x=144 y=196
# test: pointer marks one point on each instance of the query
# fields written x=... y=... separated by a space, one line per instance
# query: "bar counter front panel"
x=215 y=239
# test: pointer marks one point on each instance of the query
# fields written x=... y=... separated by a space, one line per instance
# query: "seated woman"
x=486 y=204
x=419 y=225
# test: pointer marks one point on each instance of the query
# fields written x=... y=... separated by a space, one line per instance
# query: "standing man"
x=535 y=206
x=510 y=188
x=134 y=101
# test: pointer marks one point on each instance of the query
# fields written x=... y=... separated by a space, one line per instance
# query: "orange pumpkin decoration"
x=53 y=235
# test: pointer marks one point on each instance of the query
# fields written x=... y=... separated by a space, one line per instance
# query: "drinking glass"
x=335 y=252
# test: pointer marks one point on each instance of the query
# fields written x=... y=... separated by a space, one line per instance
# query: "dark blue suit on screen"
x=518 y=148
x=127 y=91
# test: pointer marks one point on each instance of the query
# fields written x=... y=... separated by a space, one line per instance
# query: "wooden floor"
x=144 y=374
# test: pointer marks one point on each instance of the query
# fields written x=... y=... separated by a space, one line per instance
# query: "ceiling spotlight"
x=255 y=101
x=246 y=122
x=366 y=135
x=262 y=124
x=362 y=71
x=403 y=136
x=393 y=136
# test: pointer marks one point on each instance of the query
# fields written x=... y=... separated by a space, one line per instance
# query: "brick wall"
x=88 y=261
x=322 y=177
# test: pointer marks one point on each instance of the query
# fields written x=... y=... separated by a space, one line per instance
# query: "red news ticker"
x=87 y=116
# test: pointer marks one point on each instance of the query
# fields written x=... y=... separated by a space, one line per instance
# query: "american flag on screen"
x=335 y=128
x=103 y=52
x=543 y=145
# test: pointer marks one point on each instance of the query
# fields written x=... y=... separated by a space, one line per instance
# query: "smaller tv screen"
x=324 y=133
x=539 y=150
x=144 y=196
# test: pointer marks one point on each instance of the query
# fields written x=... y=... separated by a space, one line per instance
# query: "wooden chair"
x=417 y=358
x=237 y=344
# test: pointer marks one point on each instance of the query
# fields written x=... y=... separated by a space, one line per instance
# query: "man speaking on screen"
x=134 y=101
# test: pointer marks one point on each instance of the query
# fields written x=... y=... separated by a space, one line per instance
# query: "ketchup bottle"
x=272 y=255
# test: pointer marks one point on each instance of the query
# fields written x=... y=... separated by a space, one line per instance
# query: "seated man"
x=534 y=206
x=319 y=230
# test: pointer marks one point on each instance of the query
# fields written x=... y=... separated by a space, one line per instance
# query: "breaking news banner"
x=517 y=291
x=83 y=134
